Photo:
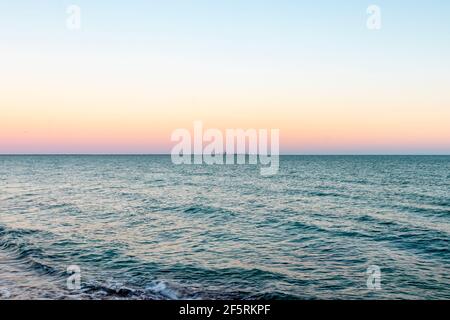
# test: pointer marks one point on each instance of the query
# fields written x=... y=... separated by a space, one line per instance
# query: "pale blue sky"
x=280 y=60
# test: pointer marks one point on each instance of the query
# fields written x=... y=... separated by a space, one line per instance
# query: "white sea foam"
x=160 y=287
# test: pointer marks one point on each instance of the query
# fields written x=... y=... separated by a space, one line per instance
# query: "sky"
x=138 y=70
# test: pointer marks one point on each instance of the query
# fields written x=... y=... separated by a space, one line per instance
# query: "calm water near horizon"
x=140 y=227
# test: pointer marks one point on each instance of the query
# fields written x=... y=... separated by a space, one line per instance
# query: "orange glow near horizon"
x=328 y=90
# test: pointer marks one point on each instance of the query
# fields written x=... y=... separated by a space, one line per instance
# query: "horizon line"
x=246 y=154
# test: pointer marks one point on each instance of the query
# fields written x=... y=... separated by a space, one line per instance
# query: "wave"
x=18 y=243
x=12 y=240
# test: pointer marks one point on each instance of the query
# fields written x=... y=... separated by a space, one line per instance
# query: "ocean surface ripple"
x=140 y=227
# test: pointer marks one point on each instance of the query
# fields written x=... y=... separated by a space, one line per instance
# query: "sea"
x=141 y=227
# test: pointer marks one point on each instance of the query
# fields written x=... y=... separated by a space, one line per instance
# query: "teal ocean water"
x=140 y=227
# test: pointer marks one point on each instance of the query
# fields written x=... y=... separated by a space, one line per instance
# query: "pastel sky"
x=137 y=70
